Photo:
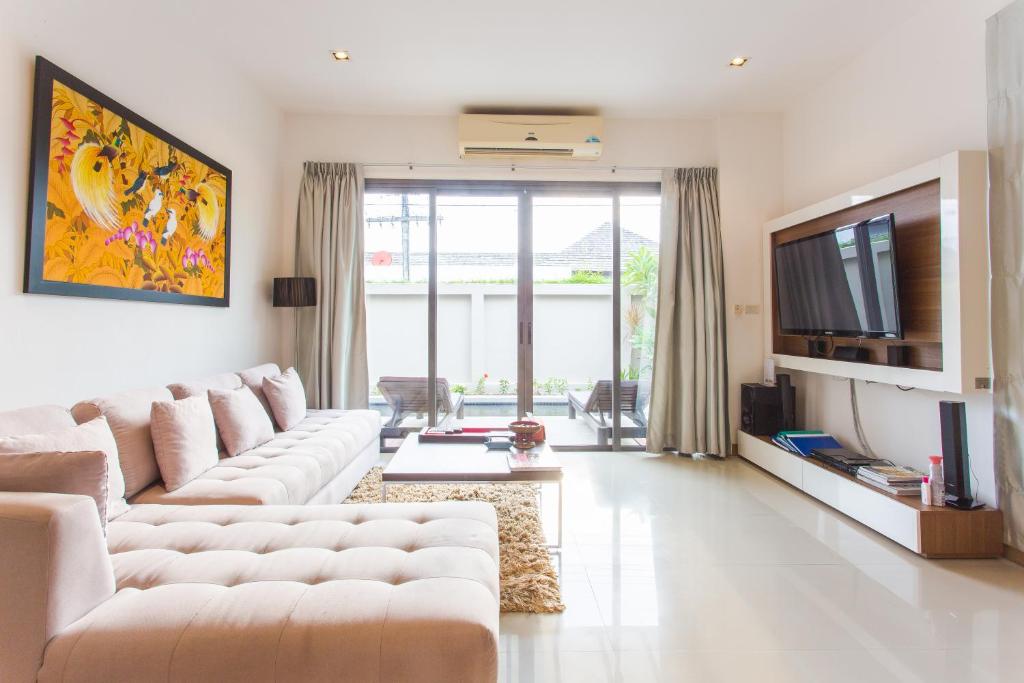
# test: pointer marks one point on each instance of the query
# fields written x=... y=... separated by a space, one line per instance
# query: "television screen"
x=840 y=283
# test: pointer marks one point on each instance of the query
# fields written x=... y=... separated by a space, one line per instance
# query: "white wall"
x=746 y=149
x=915 y=93
x=61 y=349
x=750 y=182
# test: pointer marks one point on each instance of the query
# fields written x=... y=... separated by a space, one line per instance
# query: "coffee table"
x=443 y=463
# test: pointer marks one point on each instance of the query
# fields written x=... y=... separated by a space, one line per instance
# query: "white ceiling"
x=638 y=58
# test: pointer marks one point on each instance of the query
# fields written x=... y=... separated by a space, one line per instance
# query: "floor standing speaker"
x=761 y=409
x=956 y=462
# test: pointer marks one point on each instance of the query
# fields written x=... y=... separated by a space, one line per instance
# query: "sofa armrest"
x=55 y=569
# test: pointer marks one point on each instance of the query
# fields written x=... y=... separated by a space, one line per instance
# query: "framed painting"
x=118 y=207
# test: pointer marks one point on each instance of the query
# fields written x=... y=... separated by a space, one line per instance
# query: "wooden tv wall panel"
x=918 y=251
x=942 y=250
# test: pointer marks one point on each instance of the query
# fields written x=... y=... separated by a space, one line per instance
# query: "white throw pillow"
x=94 y=435
x=242 y=422
x=287 y=398
x=184 y=439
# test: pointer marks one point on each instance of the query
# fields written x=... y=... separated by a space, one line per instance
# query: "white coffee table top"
x=417 y=461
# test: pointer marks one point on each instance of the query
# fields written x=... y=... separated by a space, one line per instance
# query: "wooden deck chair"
x=408 y=395
x=595 y=404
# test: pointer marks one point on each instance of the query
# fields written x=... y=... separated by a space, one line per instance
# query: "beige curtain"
x=1005 y=47
x=689 y=402
x=331 y=337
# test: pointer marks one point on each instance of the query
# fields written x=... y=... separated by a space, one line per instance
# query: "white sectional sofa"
x=319 y=461
x=184 y=587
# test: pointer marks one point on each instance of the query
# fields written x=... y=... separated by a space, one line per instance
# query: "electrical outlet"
x=752 y=309
x=982 y=382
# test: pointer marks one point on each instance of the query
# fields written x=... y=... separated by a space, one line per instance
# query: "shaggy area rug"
x=528 y=579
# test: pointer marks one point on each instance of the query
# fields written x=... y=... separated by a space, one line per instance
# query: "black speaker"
x=855 y=354
x=761 y=409
x=897 y=356
x=956 y=462
x=787 y=399
x=815 y=348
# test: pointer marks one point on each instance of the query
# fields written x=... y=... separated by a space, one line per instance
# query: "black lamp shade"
x=293 y=292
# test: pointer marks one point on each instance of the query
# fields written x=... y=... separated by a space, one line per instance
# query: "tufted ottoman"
x=397 y=592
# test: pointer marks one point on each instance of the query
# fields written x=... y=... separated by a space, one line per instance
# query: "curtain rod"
x=510 y=166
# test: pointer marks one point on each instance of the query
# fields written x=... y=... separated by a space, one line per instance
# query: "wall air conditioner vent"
x=556 y=137
x=517 y=152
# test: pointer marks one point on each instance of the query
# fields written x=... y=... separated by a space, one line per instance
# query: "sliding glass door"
x=487 y=301
x=477 y=292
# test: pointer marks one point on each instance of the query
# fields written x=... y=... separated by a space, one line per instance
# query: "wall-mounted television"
x=841 y=283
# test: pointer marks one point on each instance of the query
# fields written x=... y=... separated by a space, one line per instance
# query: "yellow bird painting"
x=126 y=208
x=92 y=178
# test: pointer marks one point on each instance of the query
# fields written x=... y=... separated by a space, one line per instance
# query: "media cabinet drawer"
x=883 y=514
x=770 y=457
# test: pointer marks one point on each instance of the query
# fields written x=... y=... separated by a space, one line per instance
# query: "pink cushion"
x=241 y=420
x=199 y=387
x=82 y=473
x=128 y=415
x=94 y=435
x=287 y=398
x=184 y=438
x=253 y=378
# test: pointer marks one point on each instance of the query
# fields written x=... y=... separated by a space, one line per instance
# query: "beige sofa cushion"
x=82 y=473
x=184 y=439
x=35 y=420
x=241 y=421
x=55 y=569
x=253 y=378
x=286 y=593
x=288 y=469
x=128 y=415
x=94 y=435
x=286 y=397
x=199 y=387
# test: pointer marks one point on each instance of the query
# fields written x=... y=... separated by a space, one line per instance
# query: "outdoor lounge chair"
x=408 y=395
x=595 y=404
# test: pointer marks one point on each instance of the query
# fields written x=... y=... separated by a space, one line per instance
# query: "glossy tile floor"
x=699 y=570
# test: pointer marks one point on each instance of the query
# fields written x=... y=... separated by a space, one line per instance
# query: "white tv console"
x=934 y=532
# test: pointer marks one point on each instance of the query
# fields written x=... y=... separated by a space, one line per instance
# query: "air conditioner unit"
x=553 y=137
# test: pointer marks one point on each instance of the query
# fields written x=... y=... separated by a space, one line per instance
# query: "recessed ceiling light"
x=739 y=61
x=341 y=55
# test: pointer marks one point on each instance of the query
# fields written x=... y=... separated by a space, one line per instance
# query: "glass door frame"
x=524 y=191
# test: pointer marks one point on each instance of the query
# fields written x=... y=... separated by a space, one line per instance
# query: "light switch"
x=737 y=309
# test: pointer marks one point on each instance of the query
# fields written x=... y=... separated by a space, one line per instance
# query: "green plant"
x=630 y=373
x=536 y=388
x=459 y=389
x=587 y=277
x=640 y=272
x=481 y=384
x=589 y=386
x=504 y=386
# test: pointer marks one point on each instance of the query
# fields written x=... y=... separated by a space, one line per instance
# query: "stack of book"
x=803 y=442
x=900 y=481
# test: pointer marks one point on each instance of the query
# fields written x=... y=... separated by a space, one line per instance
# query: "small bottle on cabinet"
x=935 y=477
x=926 y=491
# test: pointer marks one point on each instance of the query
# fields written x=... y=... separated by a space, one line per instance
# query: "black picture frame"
x=46 y=73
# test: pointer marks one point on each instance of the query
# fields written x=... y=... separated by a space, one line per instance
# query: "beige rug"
x=528 y=579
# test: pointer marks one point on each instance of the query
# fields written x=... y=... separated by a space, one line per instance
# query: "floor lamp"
x=294 y=292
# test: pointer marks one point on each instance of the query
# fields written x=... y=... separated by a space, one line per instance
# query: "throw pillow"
x=184 y=439
x=94 y=435
x=83 y=473
x=242 y=422
x=287 y=398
